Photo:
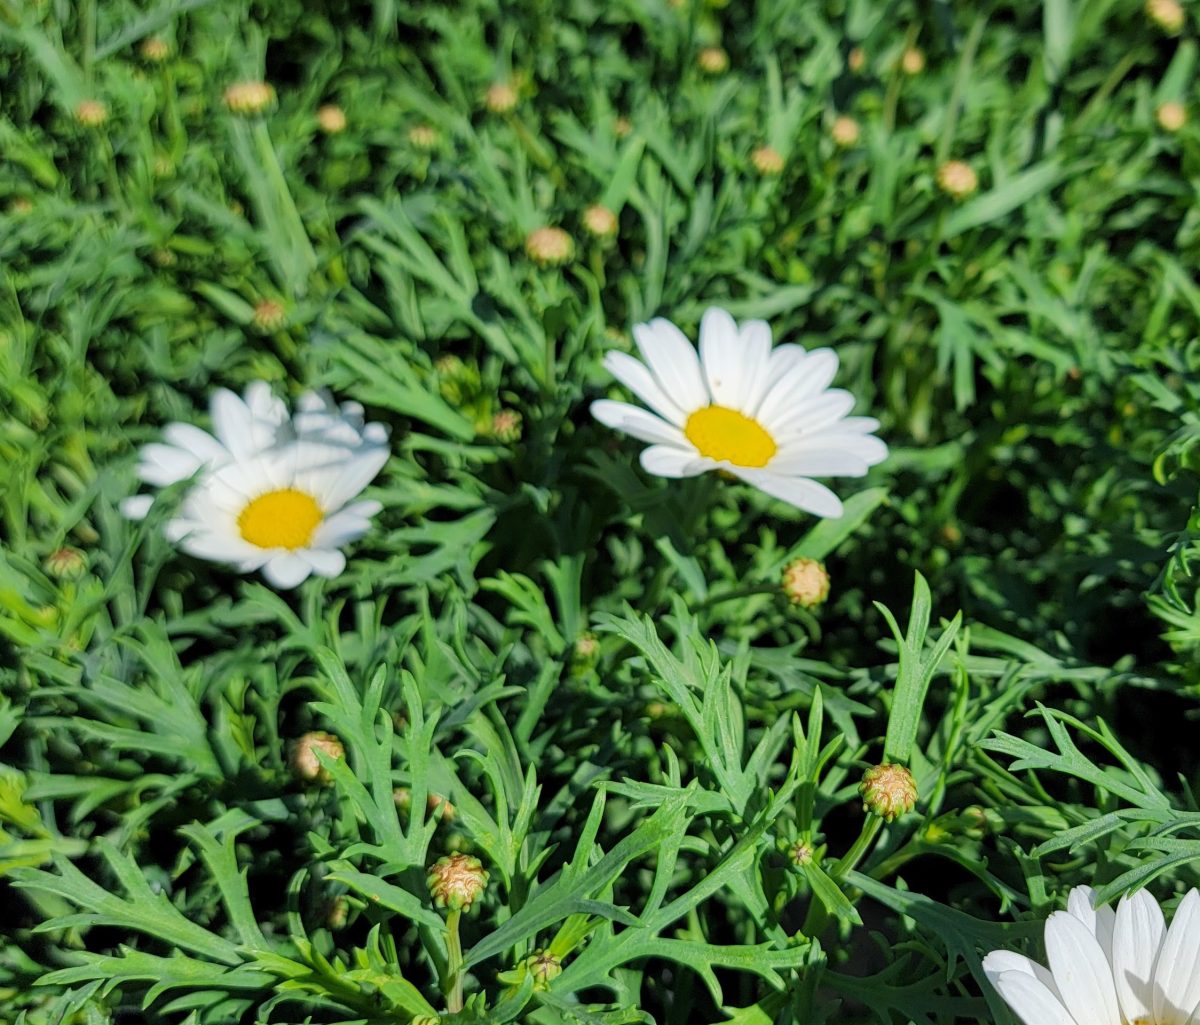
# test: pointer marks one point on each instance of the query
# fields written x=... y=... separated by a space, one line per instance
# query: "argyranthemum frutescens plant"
x=272 y=491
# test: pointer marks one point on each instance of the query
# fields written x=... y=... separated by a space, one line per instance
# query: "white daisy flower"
x=1107 y=968
x=273 y=492
x=765 y=414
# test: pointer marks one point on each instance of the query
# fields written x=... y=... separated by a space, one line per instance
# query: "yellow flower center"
x=280 y=519
x=728 y=436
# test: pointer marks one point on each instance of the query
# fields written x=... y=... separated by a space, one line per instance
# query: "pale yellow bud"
x=549 y=247
x=66 y=563
x=845 y=131
x=888 y=791
x=154 y=50
x=856 y=60
x=331 y=119
x=713 y=60
x=456 y=881
x=767 y=161
x=622 y=126
x=501 y=97
x=805 y=582
x=506 y=426
x=1171 y=116
x=91 y=113
x=600 y=221
x=912 y=61
x=249 y=97
x=1168 y=15
x=302 y=758
x=957 y=179
x=269 y=315
x=423 y=137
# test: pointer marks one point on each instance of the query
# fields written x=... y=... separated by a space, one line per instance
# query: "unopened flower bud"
x=402 y=798
x=456 y=881
x=544 y=967
x=91 y=113
x=154 y=50
x=331 y=119
x=303 y=756
x=337 y=913
x=957 y=179
x=622 y=126
x=600 y=221
x=805 y=582
x=888 y=791
x=506 y=426
x=549 y=247
x=587 y=648
x=249 y=97
x=269 y=315
x=21 y=205
x=844 y=131
x=800 y=853
x=856 y=60
x=1168 y=15
x=440 y=806
x=66 y=563
x=713 y=60
x=767 y=161
x=423 y=137
x=912 y=61
x=501 y=97
x=1171 y=116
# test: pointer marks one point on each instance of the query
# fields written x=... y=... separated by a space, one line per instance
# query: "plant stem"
x=454 y=960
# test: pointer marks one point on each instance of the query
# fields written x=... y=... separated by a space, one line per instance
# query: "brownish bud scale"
x=501 y=97
x=66 y=563
x=269 y=316
x=957 y=179
x=91 y=113
x=456 y=881
x=1171 y=116
x=587 y=648
x=767 y=161
x=888 y=791
x=713 y=60
x=1168 y=15
x=302 y=758
x=600 y=221
x=249 y=97
x=331 y=119
x=154 y=50
x=549 y=247
x=424 y=137
x=844 y=131
x=506 y=426
x=912 y=61
x=805 y=582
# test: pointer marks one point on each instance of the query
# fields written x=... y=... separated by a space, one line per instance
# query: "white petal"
x=1137 y=937
x=136 y=507
x=340 y=529
x=1081 y=971
x=636 y=422
x=784 y=358
x=286 y=570
x=865 y=447
x=217 y=547
x=673 y=361
x=355 y=474
x=670 y=461
x=324 y=563
x=364 y=510
x=798 y=491
x=721 y=358
x=755 y=341
x=827 y=462
x=1177 y=977
x=814 y=414
x=637 y=378
x=236 y=425
x=1032 y=1001
x=1000 y=961
x=200 y=443
x=1099 y=921
x=160 y=465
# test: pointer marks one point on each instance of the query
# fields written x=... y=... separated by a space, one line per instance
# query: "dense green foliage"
x=671 y=814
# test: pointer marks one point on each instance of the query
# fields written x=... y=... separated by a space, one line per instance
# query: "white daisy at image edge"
x=272 y=491
x=1107 y=968
x=765 y=414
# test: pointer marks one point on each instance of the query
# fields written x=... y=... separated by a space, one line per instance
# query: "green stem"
x=818 y=914
x=454 y=963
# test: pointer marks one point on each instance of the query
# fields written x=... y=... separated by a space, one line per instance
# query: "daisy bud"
x=1168 y=15
x=402 y=798
x=21 y=205
x=587 y=649
x=337 y=912
x=269 y=316
x=163 y=166
x=845 y=131
x=423 y=137
x=1171 y=116
x=506 y=426
x=302 y=758
x=91 y=113
x=549 y=247
x=600 y=221
x=438 y=805
x=856 y=60
x=806 y=583
x=622 y=126
x=544 y=967
x=800 y=853
x=66 y=564
x=888 y=791
x=154 y=50
x=331 y=119
x=249 y=97
x=957 y=179
x=912 y=61
x=713 y=60
x=163 y=257
x=501 y=97
x=456 y=881
x=767 y=161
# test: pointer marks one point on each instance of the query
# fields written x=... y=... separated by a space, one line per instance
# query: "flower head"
x=549 y=247
x=1171 y=116
x=506 y=426
x=856 y=60
x=91 y=113
x=273 y=490
x=600 y=221
x=713 y=60
x=1107 y=967
x=331 y=119
x=249 y=97
x=766 y=415
x=501 y=97
x=888 y=791
x=957 y=179
x=154 y=49
x=66 y=563
x=269 y=315
x=805 y=582
x=423 y=137
x=767 y=161
x=456 y=881
x=302 y=756
x=845 y=131
x=1168 y=15
x=912 y=61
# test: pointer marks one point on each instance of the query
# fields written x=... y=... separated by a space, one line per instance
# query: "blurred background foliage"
x=1029 y=343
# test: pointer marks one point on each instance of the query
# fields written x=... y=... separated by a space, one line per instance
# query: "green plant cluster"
x=589 y=679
